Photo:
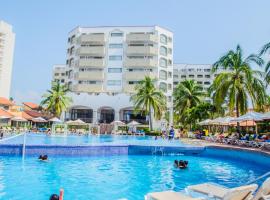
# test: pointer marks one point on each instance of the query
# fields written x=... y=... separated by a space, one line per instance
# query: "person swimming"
x=181 y=164
x=54 y=197
x=43 y=157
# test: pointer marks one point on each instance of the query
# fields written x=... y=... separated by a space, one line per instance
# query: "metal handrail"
x=259 y=178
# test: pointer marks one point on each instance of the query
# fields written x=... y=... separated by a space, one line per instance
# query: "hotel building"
x=104 y=64
x=7 y=41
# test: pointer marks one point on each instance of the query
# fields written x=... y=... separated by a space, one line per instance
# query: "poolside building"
x=7 y=41
x=104 y=64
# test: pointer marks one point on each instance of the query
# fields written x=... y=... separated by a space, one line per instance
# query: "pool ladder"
x=158 y=151
x=259 y=178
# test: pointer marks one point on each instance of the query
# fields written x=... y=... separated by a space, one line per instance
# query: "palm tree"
x=55 y=100
x=266 y=49
x=148 y=99
x=238 y=83
x=187 y=94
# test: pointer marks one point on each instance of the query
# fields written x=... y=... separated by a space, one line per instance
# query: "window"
x=175 y=83
x=207 y=76
x=163 y=75
x=169 y=39
x=169 y=86
x=115 y=57
x=62 y=74
x=116 y=46
x=163 y=87
x=114 y=70
x=169 y=99
x=133 y=82
x=183 y=76
x=163 y=62
x=163 y=51
x=62 y=80
x=199 y=76
x=56 y=74
x=169 y=51
x=191 y=76
x=199 y=82
x=114 y=82
x=170 y=75
x=175 y=76
x=207 y=70
x=169 y=62
x=116 y=34
x=207 y=83
x=163 y=39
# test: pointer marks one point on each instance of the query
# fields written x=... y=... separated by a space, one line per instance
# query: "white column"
x=95 y=116
x=116 y=115
x=171 y=116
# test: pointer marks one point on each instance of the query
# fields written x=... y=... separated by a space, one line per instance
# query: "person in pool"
x=176 y=164
x=54 y=197
x=183 y=164
x=43 y=157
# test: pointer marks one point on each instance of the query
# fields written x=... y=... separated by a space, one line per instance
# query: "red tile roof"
x=31 y=105
x=26 y=116
x=33 y=113
x=5 y=113
x=5 y=101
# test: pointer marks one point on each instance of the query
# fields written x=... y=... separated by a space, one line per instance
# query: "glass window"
x=114 y=82
x=163 y=62
x=163 y=51
x=207 y=83
x=115 y=57
x=163 y=87
x=183 y=76
x=114 y=70
x=191 y=76
x=199 y=76
x=163 y=39
x=116 y=34
x=163 y=75
x=115 y=46
x=207 y=76
x=207 y=70
x=170 y=75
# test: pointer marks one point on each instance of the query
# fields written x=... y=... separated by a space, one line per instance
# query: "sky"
x=203 y=31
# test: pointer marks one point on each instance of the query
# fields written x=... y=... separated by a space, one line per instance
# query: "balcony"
x=140 y=62
x=137 y=75
x=129 y=88
x=92 y=38
x=141 y=50
x=139 y=37
x=99 y=51
x=94 y=75
x=87 y=88
x=95 y=63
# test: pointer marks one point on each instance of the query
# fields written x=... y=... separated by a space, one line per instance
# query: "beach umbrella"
x=55 y=120
x=76 y=122
x=39 y=120
x=216 y=121
x=250 y=116
x=4 y=117
x=133 y=123
x=118 y=123
x=266 y=115
x=205 y=122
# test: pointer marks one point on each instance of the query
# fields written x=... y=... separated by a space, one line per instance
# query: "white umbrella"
x=216 y=121
x=39 y=119
x=227 y=120
x=205 y=122
x=118 y=123
x=266 y=115
x=133 y=123
x=4 y=117
x=76 y=122
x=19 y=119
x=55 y=120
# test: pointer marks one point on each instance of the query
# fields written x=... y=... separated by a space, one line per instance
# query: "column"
x=95 y=116
x=116 y=115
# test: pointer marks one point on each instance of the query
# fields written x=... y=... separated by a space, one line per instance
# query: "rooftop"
x=5 y=101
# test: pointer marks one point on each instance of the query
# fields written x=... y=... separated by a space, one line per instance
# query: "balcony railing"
x=140 y=62
x=87 y=88
x=95 y=63
x=94 y=75
x=138 y=37
x=141 y=50
x=100 y=50
x=92 y=38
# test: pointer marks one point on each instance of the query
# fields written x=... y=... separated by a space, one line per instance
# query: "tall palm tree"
x=149 y=99
x=187 y=94
x=55 y=100
x=238 y=83
x=266 y=49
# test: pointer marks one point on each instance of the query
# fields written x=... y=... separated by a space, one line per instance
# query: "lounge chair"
x=169 y=195
x=264 y=191
x=221 y=192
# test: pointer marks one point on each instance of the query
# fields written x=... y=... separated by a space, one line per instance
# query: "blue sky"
x=203 y=30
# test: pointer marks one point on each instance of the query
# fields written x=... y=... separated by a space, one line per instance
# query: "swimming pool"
x=115 y=177
x=42 y=139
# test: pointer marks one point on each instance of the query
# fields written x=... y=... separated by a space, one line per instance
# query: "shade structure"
x=5 y=117
x=18 y=119
x=226 y=121
x=266 y=115
x=133 y=123
x=205 y=122
x=216 y=121
x=250 y=116
x=118 y=123
x=55 y=120
x=39 y=120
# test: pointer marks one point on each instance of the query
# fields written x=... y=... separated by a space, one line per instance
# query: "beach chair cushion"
x=210 y=189
x=169 y=195
x=241 y=193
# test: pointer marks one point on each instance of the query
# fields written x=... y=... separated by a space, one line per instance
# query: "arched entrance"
x=128 y=114
x=106 y=115
x=81 y=112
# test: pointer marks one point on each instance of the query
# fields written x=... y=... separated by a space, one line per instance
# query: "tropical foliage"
x=149 y=100
x=238 y=83
x=266 y=50
x=56 y=100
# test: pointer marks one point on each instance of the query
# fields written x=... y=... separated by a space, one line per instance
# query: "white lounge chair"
x=264 y=191
x=221 y=192
x=168 y=195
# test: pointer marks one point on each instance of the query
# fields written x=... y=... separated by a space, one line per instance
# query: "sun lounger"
x=221 y=192
x=169 y=195
x=264 y=191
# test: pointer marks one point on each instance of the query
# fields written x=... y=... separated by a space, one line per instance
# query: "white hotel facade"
x=104 y=64
x=7 y=42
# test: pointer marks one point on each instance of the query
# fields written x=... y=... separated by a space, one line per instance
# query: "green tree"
x=148 y=99
x=187 y=94
x=238 y=83
x=266 y=50
x=56 y=100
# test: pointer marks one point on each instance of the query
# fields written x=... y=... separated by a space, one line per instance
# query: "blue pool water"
x=115 y=177
x=39 y=139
